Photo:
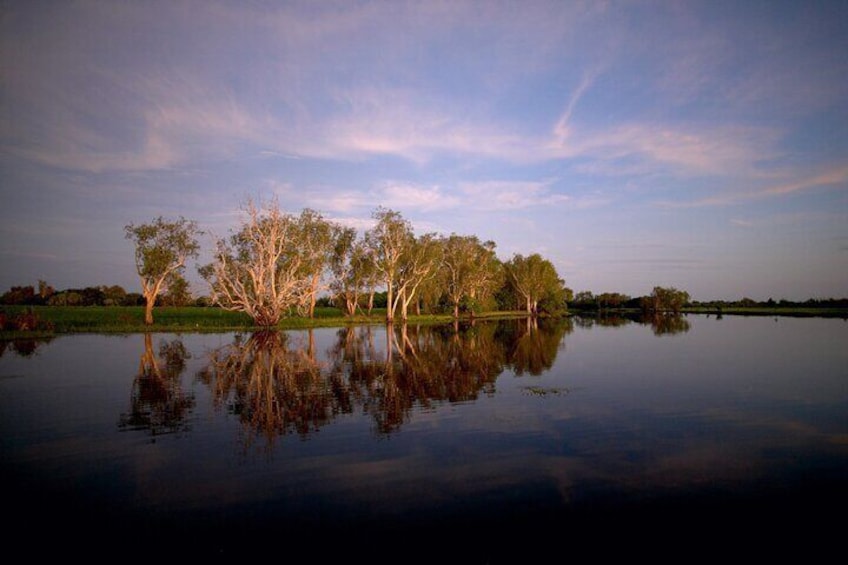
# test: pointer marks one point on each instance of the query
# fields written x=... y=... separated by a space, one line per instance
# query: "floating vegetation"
x=543 y=391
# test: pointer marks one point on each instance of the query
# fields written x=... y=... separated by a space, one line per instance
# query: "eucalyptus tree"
x=533 y=278
x=260 y=269
x=162 y=248
x=471 y=269
x=420 y=262
x=353 y=270
x=316 y=240
x=665 y=299
x=388 y=241
x=431 y=293
x=178 y=293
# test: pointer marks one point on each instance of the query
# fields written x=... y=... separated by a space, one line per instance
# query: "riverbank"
x=47 y=321
x=793 y=311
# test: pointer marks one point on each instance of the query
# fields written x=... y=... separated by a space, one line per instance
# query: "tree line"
x=672 y=299
x=276 y=263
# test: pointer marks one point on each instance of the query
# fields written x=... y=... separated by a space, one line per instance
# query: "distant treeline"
x=661 y=298
x=116 y=295
x=616 y=301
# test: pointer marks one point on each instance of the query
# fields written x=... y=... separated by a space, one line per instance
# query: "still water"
x=474 y=443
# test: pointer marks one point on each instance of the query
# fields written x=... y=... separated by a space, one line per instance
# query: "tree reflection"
x=604 y=320
x=158 y=403
x=416 y=367
x=22 y=347
x=666 y=323
x=273 y=389
x=389 y=372
x=532 y=345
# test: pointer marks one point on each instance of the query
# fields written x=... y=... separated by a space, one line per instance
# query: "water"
x=494 y=442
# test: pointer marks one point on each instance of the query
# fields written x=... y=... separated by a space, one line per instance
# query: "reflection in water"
x=278 y=388
x=158 y=403
x=628 y=436
x=272 y=388
x=662 y=323
x=532 y=344
x=602 y=319
x=22 y=347
x=421 y=366
x=666 y=323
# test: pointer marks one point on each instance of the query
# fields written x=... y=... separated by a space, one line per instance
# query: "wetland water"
x=421 y=443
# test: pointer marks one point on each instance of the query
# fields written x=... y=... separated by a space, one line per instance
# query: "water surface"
x=488 y=441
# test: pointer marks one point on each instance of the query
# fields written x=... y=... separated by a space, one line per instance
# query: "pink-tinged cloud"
x=834 y=177
x=423 y=198
x=510 y=195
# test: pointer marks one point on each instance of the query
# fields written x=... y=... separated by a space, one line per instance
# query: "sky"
x=695 y=145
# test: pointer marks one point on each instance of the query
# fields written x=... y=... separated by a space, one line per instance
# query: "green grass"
x=70 y=319
x=52 y=320
x=796 y=311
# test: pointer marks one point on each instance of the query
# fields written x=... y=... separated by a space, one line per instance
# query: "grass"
x=796 y=311
x=52 y=320
x=790 y=311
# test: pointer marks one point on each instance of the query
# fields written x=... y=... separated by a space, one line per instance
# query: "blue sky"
x=701 y=145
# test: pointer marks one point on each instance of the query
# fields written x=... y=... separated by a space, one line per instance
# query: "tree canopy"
x=162 y=248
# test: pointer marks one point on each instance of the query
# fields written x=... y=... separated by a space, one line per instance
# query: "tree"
x=162 y=248
x=418 y=263
x=353 y=270
x=19 y=295
x=534 y=278
x=316 y=239
x=178 y=293
x=611 y=300
x=113 y=295
x=388 y=241
x=471 y=269
x=664 y=299
x=45 y=291
x=259 y=270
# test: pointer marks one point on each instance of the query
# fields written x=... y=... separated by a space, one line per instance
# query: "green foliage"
x=162 y=246
x=177 y=293
x=19 y=295
x=161 y=250
x=274 y=264
x=24 y=320
x=665 y=300
x=535 y=281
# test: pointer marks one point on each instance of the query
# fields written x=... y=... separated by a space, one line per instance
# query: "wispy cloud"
x=561 y=128
x=510 y=195
x=833 y=177
x=423 y=198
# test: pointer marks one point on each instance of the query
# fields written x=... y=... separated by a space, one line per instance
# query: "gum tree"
x=260 y=269
x=533 y=278
x=665 y=299
x=388 y=242
x=162 y=248
x=419 y=263
x=353 y=270
x=317 y=241
x=471 y=269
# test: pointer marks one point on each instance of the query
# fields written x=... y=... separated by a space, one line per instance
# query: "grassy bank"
x=796 y=311
x=789 y=311
x=52 y=320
